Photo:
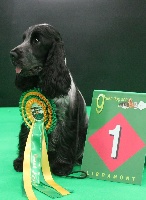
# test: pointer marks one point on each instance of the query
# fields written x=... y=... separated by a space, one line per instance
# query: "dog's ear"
x=55 y=77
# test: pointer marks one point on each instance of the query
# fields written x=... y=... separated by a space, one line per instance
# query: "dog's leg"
x=60 y=145
x=18 y=162
x=69 y=144
x=68 y=150
x=59 y=166
x=68 y=153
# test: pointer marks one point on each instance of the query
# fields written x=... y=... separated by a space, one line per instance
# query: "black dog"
x=41 y=63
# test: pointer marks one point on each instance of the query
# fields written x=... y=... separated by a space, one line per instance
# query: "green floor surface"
x=11 y=186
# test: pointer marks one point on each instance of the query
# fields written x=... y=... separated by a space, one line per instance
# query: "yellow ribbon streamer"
x=27 y=169
x=46 y=170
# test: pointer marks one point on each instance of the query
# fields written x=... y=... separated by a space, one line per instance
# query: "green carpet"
x=11 y=181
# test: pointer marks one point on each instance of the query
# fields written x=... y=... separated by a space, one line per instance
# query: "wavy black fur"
x=40 y=62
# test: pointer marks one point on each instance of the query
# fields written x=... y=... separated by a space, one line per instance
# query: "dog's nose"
x=13 y=55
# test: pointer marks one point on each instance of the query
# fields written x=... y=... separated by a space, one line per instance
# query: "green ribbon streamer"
x=49 y=191
x=36 y=149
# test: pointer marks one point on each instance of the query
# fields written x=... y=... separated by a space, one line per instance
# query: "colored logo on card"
x=116 y=142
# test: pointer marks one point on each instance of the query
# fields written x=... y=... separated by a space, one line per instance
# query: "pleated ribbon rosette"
x=39 y=114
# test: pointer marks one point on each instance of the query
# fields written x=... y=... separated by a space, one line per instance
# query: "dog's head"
x=30 y=57
x=42 y=54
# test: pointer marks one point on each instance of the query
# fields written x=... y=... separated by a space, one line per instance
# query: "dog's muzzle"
x=14 y=57
x=32 y=71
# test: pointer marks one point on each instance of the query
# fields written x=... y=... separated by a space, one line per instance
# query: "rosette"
x=39 y=114
x=35 y=106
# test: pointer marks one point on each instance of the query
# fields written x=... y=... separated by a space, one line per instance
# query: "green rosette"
x=34 y=105
x=39 y=115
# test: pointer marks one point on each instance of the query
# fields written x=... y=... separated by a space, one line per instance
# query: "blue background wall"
x=105 y=42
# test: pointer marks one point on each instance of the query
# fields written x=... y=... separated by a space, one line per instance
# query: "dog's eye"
x=35 y=40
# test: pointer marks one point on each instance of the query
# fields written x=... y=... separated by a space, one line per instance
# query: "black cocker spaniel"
x=40 y=62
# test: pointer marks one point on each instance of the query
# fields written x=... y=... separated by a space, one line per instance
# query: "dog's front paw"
x=18 y=164
x=62 y=169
